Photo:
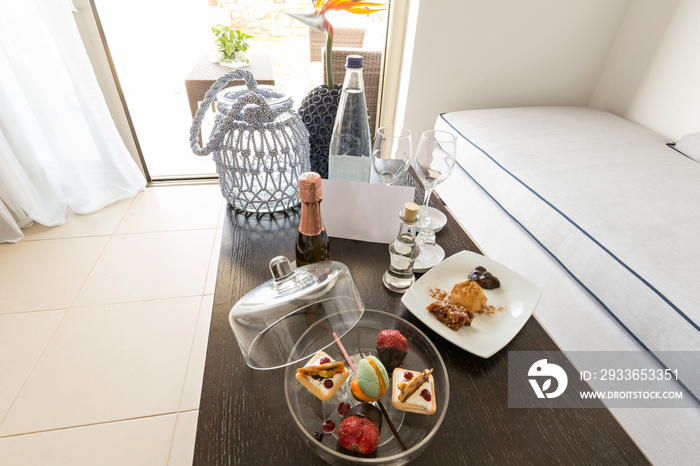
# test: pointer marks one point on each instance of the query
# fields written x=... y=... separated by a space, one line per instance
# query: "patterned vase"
x=317 y=111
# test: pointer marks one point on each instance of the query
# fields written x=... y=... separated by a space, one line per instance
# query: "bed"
x=604 y=217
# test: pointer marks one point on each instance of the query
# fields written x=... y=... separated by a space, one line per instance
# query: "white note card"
x=363 y=211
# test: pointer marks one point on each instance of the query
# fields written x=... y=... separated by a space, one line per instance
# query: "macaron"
x=371 y=381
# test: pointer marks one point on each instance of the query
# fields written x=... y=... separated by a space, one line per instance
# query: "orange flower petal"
x=361 y=11
x=356 y=6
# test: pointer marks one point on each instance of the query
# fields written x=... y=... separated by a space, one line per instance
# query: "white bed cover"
x=605 y=219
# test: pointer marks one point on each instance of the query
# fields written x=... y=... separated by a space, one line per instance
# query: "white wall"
x=653 y=75
x=503 y=53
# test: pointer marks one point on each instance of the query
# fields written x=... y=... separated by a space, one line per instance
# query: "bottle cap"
x=353 y=61
x=310 y=187
x=410 y=211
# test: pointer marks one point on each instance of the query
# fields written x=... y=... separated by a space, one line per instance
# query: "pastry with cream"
x=322 y=375
x=372 y=380
x=469 y=295
x=413 y=391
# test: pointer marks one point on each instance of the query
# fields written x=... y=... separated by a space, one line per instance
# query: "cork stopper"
x=410 y=211
x=310 y=187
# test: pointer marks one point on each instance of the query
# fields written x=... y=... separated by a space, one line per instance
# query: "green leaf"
x=229 y=41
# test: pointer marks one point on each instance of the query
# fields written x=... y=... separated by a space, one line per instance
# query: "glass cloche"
x=315 y=302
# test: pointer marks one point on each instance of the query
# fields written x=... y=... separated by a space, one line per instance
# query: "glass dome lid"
x=318 y=301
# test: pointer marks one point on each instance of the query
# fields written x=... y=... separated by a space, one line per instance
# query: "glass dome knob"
x=280 y=268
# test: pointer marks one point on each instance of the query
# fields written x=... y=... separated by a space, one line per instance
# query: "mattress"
x=601 y=215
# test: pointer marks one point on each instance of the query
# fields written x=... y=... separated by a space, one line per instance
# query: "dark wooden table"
x=243 y=417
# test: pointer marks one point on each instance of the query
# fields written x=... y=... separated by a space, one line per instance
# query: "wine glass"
x=434 y=162
x=391 y=154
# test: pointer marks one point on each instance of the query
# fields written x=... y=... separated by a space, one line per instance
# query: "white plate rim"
x=417 y=295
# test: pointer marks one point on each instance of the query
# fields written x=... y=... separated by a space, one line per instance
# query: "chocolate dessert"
x=392 y=348
x=484 y=278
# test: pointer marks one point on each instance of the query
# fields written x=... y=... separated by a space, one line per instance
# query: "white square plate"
x=488 y=333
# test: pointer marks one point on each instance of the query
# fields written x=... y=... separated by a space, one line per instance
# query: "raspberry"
x=425 y=393
x=328 y=427
x=343 y=408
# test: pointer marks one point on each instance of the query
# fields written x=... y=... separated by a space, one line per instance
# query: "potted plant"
x=231 y=45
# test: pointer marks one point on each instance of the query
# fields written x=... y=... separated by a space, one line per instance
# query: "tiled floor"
x=103 y=332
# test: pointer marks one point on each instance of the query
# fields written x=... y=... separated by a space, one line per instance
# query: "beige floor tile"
x=100 y=223
x=149 y=266
x=47 y=274
x=23 y=337
x=222 y=214
x=182 y=448
x=137 y=442
x=195 y=368
x=210 y=285
x=168 y=208
x=108 y=363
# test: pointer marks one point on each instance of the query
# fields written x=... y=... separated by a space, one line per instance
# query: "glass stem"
x=426 y=199
x=424 y=223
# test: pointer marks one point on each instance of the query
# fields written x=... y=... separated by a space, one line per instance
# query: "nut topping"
x=325 y=371
x=408 y=388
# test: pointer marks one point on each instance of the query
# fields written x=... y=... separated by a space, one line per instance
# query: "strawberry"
x=391 y=348
x=358 y=434
x=393 y=339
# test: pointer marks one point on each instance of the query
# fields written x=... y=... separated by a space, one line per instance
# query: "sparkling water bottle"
x=350 y=148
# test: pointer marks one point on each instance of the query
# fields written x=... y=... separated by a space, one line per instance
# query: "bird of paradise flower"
x=318 y=21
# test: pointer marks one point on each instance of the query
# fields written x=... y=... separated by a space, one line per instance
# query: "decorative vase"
x=317 y=111
x=240 y=60
x=259 y=142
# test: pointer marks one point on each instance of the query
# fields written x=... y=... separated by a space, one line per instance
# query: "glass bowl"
x=417 y=430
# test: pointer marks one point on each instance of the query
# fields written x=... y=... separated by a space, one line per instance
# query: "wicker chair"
x=342 y=37
x=372 y=61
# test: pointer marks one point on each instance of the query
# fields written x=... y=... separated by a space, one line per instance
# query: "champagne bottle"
x=312 y=238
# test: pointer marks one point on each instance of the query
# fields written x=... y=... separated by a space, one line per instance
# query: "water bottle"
x=350 y=148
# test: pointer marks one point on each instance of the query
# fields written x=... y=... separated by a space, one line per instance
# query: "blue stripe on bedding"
x=609 y=311
x=649 y=285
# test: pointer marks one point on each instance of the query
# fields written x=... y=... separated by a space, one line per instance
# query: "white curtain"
x=59 y=147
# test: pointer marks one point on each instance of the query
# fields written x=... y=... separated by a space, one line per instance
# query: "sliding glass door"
x=157 y=49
